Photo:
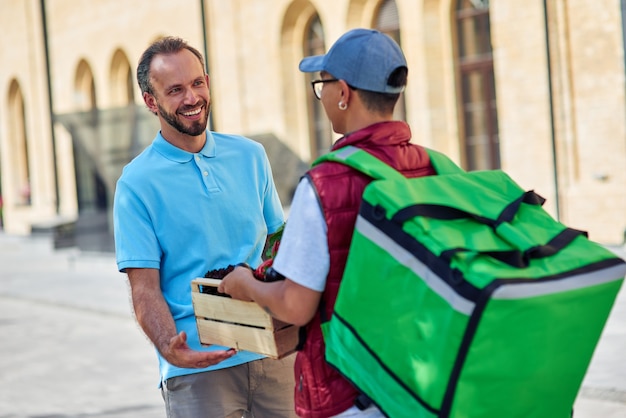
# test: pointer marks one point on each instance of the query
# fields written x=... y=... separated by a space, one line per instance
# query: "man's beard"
x=196 y=128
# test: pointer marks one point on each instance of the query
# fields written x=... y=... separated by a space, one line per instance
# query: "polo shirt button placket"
x=202 y=166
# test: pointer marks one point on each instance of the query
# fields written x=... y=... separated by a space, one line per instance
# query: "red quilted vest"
x=320 y=390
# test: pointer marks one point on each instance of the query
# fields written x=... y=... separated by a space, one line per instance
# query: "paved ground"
x=70 y=348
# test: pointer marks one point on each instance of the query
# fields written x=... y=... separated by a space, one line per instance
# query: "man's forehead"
x=176 y=68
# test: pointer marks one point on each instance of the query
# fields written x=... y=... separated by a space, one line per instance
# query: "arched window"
x=387 y=21
x=121 y=80
x=84 y=88
x=18 y=148
x=86 y=141
x=477 y=91
x=319 y=125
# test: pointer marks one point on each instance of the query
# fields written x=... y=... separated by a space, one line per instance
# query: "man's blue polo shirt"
x=186 y=213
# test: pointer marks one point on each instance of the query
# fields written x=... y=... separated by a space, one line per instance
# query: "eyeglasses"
x=319 y=84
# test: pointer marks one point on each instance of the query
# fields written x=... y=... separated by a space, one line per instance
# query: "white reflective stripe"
x=346 y=152
x=434 y=282
x=527 y=290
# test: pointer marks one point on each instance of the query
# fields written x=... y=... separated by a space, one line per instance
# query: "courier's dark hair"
x=385 y=102
x=167 y=45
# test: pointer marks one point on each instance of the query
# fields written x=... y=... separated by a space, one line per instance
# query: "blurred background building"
x=536 y=88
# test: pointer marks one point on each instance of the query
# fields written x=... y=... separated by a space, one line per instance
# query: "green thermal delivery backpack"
x=463 y=297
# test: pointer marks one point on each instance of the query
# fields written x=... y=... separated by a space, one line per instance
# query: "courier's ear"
x=150 y=101
x=346 y=92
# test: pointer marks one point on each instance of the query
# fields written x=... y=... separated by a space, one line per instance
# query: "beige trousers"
x=259 y=389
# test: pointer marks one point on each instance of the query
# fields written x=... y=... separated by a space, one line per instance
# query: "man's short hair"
x=167 y=45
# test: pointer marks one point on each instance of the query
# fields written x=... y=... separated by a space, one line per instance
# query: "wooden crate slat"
x=237 y=336
x=230 y=310
x=203 y=281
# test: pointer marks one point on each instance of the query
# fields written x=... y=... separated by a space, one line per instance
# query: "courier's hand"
x=236 y=283
x=179 y=354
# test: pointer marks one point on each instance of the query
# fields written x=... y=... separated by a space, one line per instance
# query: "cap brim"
x=312 y=64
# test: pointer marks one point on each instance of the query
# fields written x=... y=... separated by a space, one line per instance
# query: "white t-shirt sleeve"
x=303 y=253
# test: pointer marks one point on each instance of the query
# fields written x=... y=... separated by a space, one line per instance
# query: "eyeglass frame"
x=314 y=83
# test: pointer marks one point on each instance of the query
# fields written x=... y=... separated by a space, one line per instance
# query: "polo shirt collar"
x=178 y=155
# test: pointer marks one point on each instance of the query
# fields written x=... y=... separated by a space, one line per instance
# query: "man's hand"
x=179 y=354
x=237 y=282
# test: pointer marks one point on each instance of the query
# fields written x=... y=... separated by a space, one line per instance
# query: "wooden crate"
x=239 y=324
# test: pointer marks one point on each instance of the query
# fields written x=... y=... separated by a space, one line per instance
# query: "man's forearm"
x=155 y=318
x=151 y=310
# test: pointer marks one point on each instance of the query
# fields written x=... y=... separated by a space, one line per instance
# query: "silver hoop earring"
x=342 y=106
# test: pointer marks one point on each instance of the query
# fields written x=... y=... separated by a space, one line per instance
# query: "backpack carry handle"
x=521 y=259
x=450 y=213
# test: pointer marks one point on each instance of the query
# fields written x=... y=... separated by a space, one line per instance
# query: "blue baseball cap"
x=364 y=58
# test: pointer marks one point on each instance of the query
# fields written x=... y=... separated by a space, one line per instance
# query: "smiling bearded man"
x=192 y=201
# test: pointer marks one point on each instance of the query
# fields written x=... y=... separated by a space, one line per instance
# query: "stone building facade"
x=536 y=88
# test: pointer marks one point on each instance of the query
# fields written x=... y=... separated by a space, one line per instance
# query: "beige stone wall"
x=591 y=133
x=523 y=95
x=254 y=49
x=245 y=65
x=22 y=58
x=588 y=104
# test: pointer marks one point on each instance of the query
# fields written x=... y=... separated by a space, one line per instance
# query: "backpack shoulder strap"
x=368 y=164
x=362 y=161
